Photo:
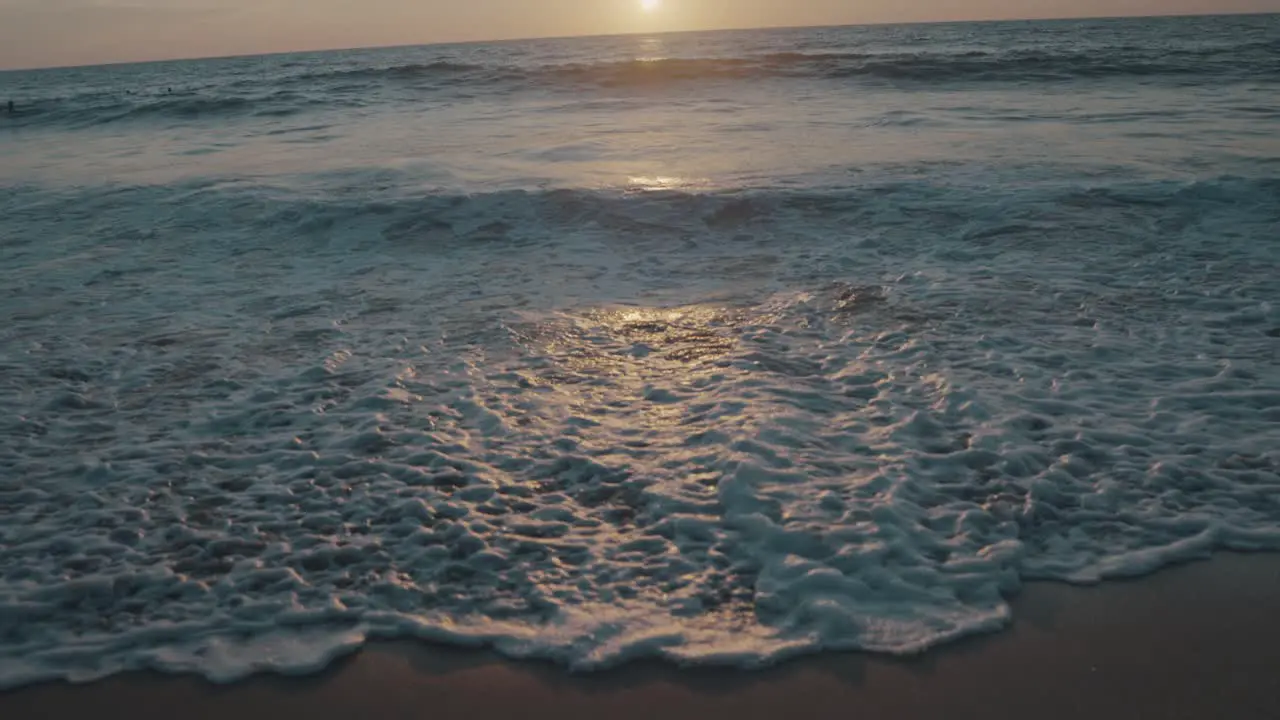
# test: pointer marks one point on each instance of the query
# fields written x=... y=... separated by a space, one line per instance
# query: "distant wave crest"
x=925 y=66
x=297 y=90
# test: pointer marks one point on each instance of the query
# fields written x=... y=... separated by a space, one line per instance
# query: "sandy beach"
x=1197 y=641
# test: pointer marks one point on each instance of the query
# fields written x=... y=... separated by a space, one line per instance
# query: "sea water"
x=719 y=347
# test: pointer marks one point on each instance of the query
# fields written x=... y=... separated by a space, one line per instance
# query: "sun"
x=650 y=5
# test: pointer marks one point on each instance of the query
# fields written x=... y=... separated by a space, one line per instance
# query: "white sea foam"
x=227 y=453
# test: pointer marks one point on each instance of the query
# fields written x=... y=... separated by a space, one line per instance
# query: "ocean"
x=719 y=348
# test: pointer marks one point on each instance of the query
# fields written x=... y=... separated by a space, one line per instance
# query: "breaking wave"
x=302 y=89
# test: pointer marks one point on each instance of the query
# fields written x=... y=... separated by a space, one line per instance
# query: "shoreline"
x=1191 y=641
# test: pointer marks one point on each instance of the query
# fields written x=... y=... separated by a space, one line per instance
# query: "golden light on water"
x=645 y=343
x=680 y=334
x=654 y=183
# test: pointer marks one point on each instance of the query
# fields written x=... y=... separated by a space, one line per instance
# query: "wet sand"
x=1197 y=641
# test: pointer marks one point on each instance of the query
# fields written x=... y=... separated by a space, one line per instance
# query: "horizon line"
x=497 y=40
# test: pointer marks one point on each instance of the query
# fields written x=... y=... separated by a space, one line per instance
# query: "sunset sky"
x=36 y=33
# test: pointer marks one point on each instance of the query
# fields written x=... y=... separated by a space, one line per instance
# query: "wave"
x=970 y=65
x=437 y=69
x=521 y=216
x=76 y=113
x=297 y=428
x=350 y=85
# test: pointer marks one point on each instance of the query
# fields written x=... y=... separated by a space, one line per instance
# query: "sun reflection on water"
x=646 y=343
x=657 y=183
